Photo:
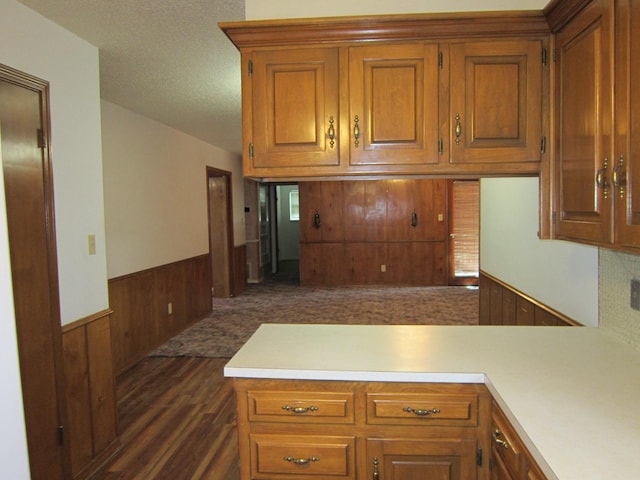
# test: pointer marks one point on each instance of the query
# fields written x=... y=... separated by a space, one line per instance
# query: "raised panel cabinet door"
x=627 y=124
x=419 y=459
x=295 y=108
x=583 y=130
x=496 y=102
x=393 y=106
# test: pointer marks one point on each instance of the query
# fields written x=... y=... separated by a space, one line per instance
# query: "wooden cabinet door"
x=583 y=130
x=295 y=108
x=418 y=459
x=496 y=102
x=393 y=105
x=627 y=157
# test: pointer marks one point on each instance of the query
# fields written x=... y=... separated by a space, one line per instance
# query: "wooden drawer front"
x=304 y=407
x=422 y=409
x=299 y=456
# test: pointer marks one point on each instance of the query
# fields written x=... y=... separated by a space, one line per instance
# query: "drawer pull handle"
x=291 y=409
x=301 y=461
x=421 y=412
x=499 y=441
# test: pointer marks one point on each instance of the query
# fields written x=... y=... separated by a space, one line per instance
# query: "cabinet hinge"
x=544 y=56
x=440 y=60
x=440 y=146
x=251 y=151
x=42 y=139
x=60 y=435
x=250 y=67
x=543 y=145
x=479 y=457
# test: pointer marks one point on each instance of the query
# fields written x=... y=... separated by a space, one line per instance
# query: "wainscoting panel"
x=151 y=306
x=90 y=392
x=502 y=304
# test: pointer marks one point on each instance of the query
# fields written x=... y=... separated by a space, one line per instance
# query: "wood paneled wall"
x=90 y=392
x=141 y=320
x=378 y=232
x=502 y=304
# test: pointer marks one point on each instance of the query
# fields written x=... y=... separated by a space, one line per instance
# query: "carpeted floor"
x=233 y=320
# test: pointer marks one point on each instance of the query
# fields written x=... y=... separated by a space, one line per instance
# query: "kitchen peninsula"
x=571 y=394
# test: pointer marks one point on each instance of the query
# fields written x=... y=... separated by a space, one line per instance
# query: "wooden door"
x=295 y=109
x=220 y=233
x=393 y=105
x=420 y=459
x=496 y=102
x=30 y=218
x=583 y=130
x=627 y=124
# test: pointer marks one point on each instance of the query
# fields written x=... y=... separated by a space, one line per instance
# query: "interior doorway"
x=285 y=231
x=220 y=232
x=24 y=122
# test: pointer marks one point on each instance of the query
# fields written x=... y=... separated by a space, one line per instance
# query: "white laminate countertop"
x=573 y=394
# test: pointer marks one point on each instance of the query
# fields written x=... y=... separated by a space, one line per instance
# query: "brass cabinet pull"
x=376 y=472
x=316 y=220
x=619 y=176
x=301 y=461
x=331 y=132
x=502 y=443
x=458 y=129
x=601 y=178
x=414 y=219
x=291 y=409
x=356 y=131
x=420 y=412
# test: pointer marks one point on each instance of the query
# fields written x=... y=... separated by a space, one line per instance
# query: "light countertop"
x=572 y=394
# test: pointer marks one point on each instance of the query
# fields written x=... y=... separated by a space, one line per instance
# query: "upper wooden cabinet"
x=496 y=102
x=293 y=108
x=396 y=95
x=584 y=125
x=393 y=104
x=598 y=124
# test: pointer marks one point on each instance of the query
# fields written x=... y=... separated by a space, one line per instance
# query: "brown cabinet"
x=584 y=89
x=496 y=102
x=393 y=96
x=510 y=460
x=393 y=104
x=598 y=125
x=626 y=161
x=353 y=430
x=293 y=109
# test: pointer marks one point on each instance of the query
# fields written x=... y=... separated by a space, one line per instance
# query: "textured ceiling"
x=164 y=59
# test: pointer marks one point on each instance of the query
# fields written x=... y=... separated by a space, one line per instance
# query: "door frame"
x=227 y=226
x=29 y=82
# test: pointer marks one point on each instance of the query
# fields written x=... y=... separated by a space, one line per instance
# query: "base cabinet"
x=510 y=460
x=330 y=430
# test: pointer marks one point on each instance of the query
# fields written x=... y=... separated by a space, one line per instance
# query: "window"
x=294 y=206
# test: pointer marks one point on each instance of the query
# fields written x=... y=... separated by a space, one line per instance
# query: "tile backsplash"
x=616 y=270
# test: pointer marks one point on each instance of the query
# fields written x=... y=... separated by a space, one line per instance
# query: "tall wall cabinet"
x=597 y=121
x=412 y=94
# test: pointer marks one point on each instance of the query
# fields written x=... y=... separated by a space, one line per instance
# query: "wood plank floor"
x=177 y=421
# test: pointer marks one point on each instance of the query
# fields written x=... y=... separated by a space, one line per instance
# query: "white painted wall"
x=560 y=274
x=33 y=44
x=30 y=43
x=156 y=192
